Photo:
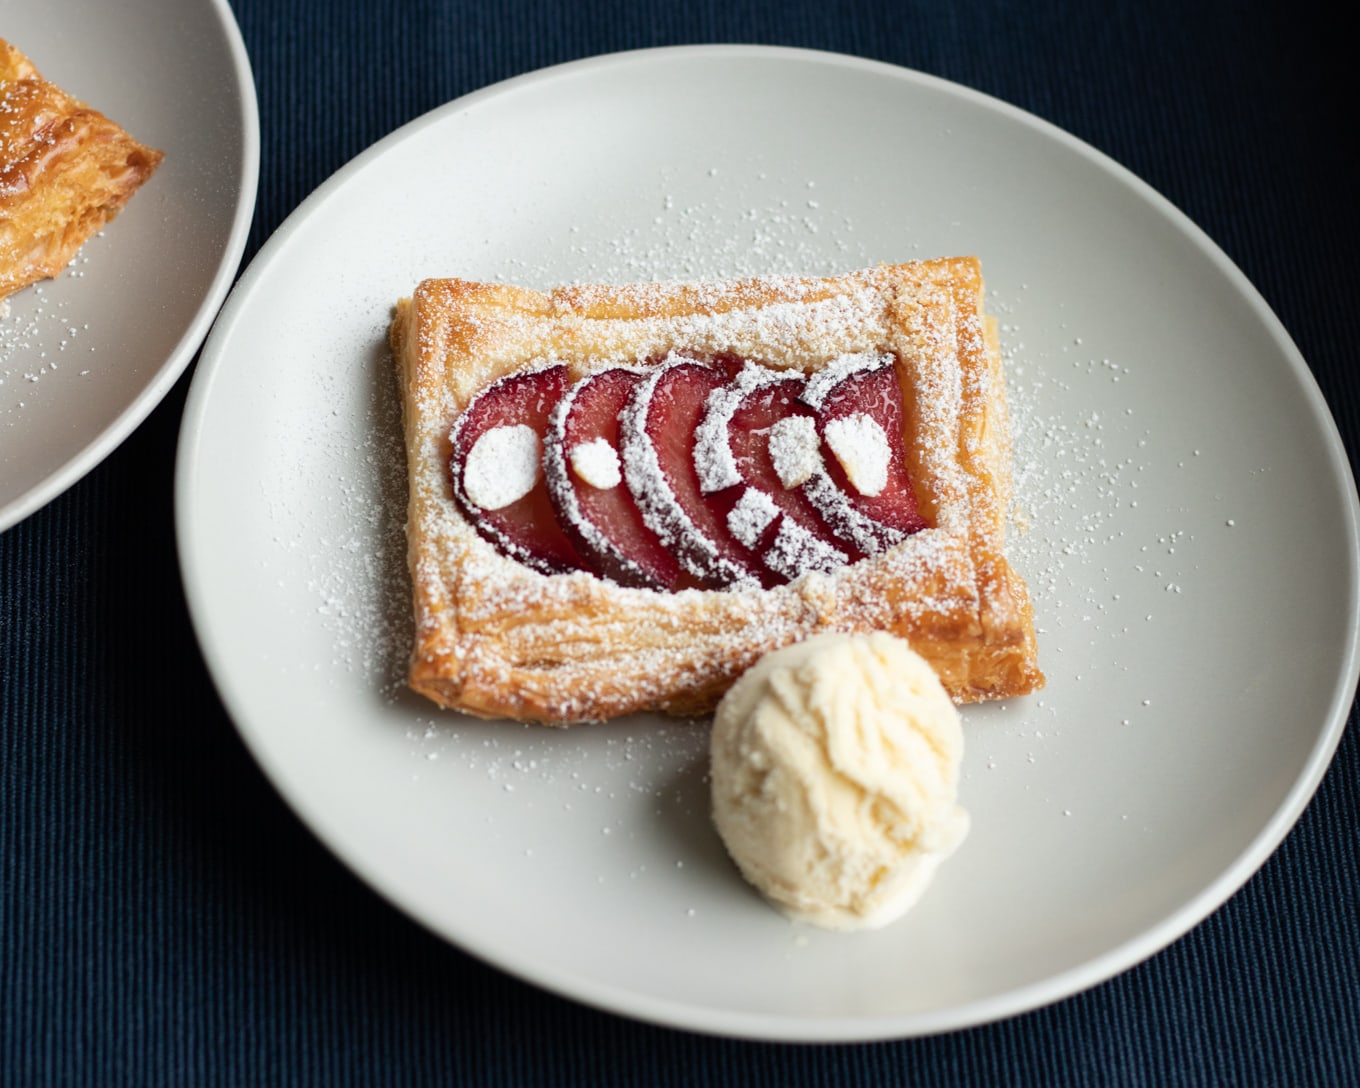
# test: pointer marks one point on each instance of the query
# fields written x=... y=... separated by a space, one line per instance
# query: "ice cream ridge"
x=834 y=770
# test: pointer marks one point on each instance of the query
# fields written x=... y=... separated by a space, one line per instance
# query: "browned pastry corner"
x=65 y=171
x=495 y=638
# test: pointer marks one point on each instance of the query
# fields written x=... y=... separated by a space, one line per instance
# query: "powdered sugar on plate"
x=1105 y=573
x=707 y=223
x=40 y=341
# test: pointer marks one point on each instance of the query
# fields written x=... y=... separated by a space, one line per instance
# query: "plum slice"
x=657 y=444
x=585 y=482
x=739 y=477
x=864 y=491
x=496 y=471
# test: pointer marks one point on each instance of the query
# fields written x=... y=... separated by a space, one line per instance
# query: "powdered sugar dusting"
x=751 y=516
x=707 y=224
x=597 y=463
x=1062 y=472
x=796 y=551
x=830 y=376
x=862 y=449
x=795 y=449
x=867 y=534
x=1110 y=562
x=355 y=567
x=502 y=466
x=713 y=457
x=40 y=343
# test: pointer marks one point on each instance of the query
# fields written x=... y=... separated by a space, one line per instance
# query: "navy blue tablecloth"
x=166 y=919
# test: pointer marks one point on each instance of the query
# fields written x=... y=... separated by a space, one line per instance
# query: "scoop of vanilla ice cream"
x=835 y=765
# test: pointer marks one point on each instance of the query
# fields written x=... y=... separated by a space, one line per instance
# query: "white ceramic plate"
x=84 y=358
x=1191 y=544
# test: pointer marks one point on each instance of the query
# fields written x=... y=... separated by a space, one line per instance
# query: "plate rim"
x=765 y=1026
x=135 y=412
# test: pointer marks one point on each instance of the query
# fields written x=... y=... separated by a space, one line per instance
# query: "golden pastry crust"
x=497 y=639
x=65 y=171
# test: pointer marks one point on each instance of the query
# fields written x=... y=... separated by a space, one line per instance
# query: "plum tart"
x=621 y=496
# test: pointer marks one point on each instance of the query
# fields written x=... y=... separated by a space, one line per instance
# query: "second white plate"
x=1179 y=475
x=85 y=357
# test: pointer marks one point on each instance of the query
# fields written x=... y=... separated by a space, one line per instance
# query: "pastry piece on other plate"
x=497 y=639
x=65 y=171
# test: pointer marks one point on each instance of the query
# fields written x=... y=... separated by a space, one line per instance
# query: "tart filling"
x=761 y=473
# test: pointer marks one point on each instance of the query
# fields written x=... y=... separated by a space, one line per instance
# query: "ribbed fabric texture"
x=165 y=919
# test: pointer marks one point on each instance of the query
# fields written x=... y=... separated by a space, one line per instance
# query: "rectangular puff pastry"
x=497 y=639
x=65 y=171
